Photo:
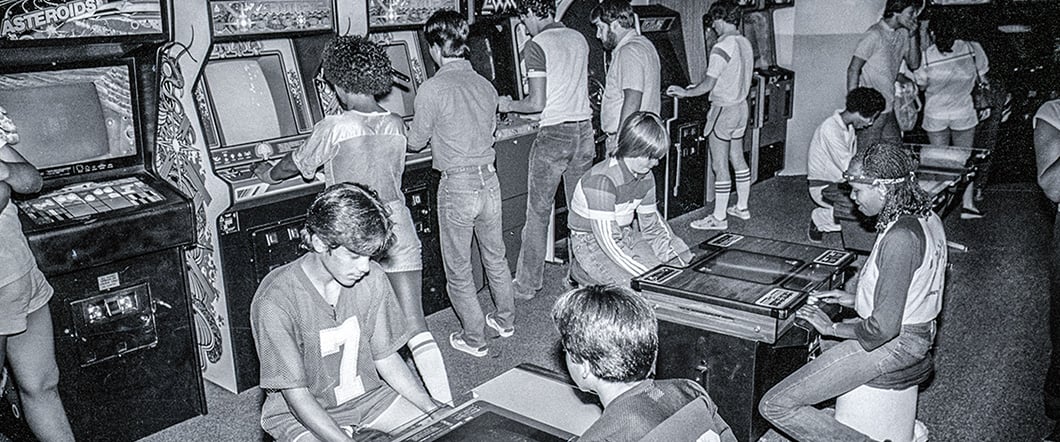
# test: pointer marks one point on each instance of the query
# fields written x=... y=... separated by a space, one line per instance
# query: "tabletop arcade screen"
x=482 y=421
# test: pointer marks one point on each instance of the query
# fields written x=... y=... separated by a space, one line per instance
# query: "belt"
x=469 y=169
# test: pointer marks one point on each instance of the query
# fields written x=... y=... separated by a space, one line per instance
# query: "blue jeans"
x=590 y=265
x=789 y=405
x=469 y=203
x=566 y=151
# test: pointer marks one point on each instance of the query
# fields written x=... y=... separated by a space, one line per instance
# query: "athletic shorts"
x=727 y=122
x=360 y=411
x=21 y=297
x=405 y=254
x=939 y=124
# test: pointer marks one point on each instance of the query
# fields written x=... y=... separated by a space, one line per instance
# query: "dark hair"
x=889 y=161
x=895 y=7
x=357 y=65
x=865 y=101
x=642 y=135
x=447 y=29
x=611 y=328
x=945 y=30
x=537 y=8
x=725 y=10
x=609 y=11
x=349 y=215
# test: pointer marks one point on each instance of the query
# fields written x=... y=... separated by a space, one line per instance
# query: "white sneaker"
x=710 y=223
x=492 y=323
x=920 y=431
x=457 y=341
x=743 y=214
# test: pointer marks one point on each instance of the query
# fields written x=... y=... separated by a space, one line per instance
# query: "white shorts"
x=957 y=124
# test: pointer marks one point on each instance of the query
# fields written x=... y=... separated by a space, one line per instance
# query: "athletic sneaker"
x=743 y=214
x=971 y=213
x=457 y=341
x=813 y=234
x=710 y=223
x=492 y=323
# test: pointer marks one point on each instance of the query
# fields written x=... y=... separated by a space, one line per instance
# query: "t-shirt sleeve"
x=982 y=63
x=900 y=254
x=389 y=331
x=278 y=350
x=1048 y=113
x=720 y=56
x=317 y=149
x=632 y=73
x=599 y=197
x=868 y=45
x=534 y=57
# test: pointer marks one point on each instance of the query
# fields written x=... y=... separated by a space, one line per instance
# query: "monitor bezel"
x=84 y=171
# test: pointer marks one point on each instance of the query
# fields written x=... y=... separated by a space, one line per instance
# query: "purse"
x=981 y=91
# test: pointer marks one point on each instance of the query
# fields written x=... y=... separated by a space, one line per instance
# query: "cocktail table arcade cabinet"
x=727 y=320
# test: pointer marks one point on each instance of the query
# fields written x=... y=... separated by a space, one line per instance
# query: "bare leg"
x=33 y=361
x=966 y=138
x=742 y=171
x=408 y=286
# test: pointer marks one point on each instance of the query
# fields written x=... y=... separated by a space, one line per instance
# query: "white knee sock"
x=721 y=198
x=743 y=187
x=431 y=366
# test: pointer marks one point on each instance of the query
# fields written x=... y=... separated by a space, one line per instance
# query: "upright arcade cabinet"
x=256 y=100
x=80 y=80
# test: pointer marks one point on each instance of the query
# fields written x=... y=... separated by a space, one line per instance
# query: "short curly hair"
x=357 y=65
x=866 y=101
x=896 y=163
x=727 y=11
x=537 y=8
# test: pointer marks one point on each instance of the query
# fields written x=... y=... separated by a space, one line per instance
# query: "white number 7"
x=332 y=341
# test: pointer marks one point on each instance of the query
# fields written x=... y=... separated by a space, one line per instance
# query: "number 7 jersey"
x=302 y=341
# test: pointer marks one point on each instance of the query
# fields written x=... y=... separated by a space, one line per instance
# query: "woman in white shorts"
x=948 y=73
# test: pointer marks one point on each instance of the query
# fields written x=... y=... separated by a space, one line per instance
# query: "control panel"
x=87 y=199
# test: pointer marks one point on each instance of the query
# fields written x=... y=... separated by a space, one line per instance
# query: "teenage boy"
x=878 y=59
x=328 y=327
x=729 y=71
x=633 y=78
x=556 y=60
x=455 y=111
x=366 y=144
x=833 y=145
x=610 y=341
x=607 y=247
x=26 y=339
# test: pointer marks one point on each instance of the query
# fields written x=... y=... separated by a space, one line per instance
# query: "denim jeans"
x=469 y=203
x=789 y=405
x=590 y=265
x=566 y=151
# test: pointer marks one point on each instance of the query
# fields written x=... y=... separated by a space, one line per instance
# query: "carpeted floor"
x=992 y=345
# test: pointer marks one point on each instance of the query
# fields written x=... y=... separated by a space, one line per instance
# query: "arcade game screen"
x=72 y=116
x=251 y=99
x=749 y=266
x=402 y=97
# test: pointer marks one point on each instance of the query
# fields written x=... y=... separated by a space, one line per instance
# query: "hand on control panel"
x=8 y=131
x=263 y=171
x=504 y=104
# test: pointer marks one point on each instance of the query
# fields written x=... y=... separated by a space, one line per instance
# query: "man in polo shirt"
x=606 y=247
x=633 y=78
x=877 y=60
x=556 y=60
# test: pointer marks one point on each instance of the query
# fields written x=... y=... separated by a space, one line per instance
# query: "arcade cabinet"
x=82 y=87
x=727 y=320
x=256 y=100
x=679 y=183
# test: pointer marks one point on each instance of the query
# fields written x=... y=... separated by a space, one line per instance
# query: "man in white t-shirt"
x=633 y=78
x=833 y=145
